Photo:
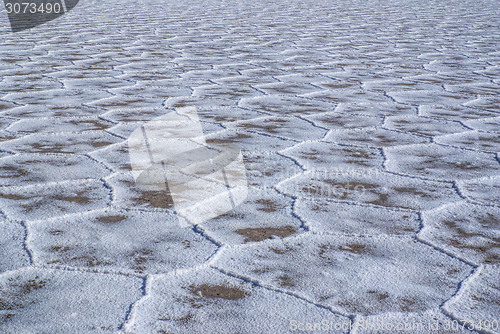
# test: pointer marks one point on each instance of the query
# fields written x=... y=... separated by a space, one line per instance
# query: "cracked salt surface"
x=369 y=135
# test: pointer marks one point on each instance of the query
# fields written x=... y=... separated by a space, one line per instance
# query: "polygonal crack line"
x=26 y=248
x=303 y=222
x=257 y=283
x=282 y=153
x=460 y=147
x=8 y=152
x=462 y=286
x=87 y=270
x=103 y=163
x=314 y=125
x=474 y=270
x=13 y=120
x=421 y=178
x=111 y=191
x=405 y=132
x=147 y=282
x=460 y=193
x=252 y=86
x=144 y=288
x=268 y=135
x=105 y=131
x=423 y=226
x=93 y=107
x=111 y=170
x=197 y=229
x=239 y=121
x=129 y=316
x=275 y=187
x=55 y=183
x=53 y=79
x=473 y=201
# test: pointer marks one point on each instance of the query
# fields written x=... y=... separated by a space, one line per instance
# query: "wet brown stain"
x=263 y=233
x=95 y=125
x=323 y=249
x=59 y=249
x=352 y=248
x=261 y=270
x=230 y=215
x=31 y=285
x=234 y=138
x=12 y=196
x=268 y=205
x=412 y=191
x=280 y=251
x=285 y=281
x=408 y=305
x=79 y=198
x=139 y=258
x=156 y=199
x=355 y=248
x=379 y=296
x=488 y=247
x=47 y=148
x=217 y=291
x=111 y=219
x=162 y=331
x=101 y=143
x=88 y=260
x=185 y=319
x=13 y=172
x=323 y=298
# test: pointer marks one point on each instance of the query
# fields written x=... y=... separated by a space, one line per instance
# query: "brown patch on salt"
x=79 y=198
x=263 y=233
x=156 y=199
x=268 y=205
x=217 y=291
x=47 y=148
x=355 y=248
x=285 y=281
x=12 y=196
x=488 y=247
x=111 y=219
x=95 y=124
x=101 y=143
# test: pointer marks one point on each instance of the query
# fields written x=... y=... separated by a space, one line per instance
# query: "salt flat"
x=369 y=132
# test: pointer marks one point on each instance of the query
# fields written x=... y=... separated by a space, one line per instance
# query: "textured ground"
x=370 y=134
